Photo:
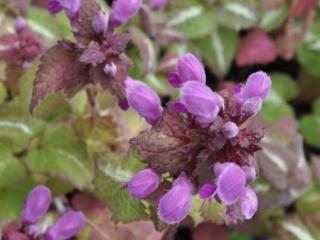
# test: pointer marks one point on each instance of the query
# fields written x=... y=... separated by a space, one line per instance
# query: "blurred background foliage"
x=85 y=160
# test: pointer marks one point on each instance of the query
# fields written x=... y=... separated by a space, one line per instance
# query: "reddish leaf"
x=59 y=70
x=92 y=55
x=256 y=48
x=114 y=84
x=166 y=147
x=84 y=31
x=13 y=75
x=299 y=7
x=209 y=231
x=117 y=43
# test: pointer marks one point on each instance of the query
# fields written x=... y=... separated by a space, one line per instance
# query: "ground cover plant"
x=160 y=119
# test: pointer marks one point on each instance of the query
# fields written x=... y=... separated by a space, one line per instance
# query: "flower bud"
x=201 y=101
x=189 y=68
x=208 y=191
x=67 y=226
x=19 y=24
x=251 y=107
x=143 y=100
x=175 y=205
x=250 y=173
x=258 y=85
x=123 y=10
x=36 y=205
x=71 y=7
x=100 y=22
x=157 y=4
x=54 y=6
x=110 y=69
x=248 y=202
x=143 y=183
x=230 y=182
x=230 y=130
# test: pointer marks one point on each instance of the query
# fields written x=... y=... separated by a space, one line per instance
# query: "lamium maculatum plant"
x=96 y=57
x=35 y=208
x=205 y=140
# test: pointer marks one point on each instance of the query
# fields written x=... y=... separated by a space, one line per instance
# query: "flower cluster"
x=22 y=47
x=35 y=207
x=205 y=140
x=97 y=56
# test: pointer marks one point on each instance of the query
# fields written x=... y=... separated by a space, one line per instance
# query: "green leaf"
x=316 y=106
x=284 y=86
x=272 y=19
x=213 y=211
x=114 y=171
x=310 y=129
x=51 y=27
x=240 y=14
x=219 y=49
x=3 y=93
x=308 y=51
x=12 y=199
x=11 y=172
x=194 y=22
x=61 y=155
x=272 y=113
x=237 y=236
x=19 y=132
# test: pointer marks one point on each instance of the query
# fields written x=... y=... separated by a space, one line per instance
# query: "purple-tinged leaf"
x=256 y=48
x=59 y=70
x=165 y=147
x=84 y=30
x=92 y=55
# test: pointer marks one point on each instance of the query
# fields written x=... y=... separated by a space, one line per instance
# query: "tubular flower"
x=188 y=69
x=206 y=141
x=144 y=100
x=199 y=100
x=123 y=10
x=71 y=7
x=36 y=205
x=100 y=22
x=143 y=183
x=67 y=226
x=175 y=205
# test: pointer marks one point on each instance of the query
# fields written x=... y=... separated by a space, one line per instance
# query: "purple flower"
x=258 y=85
x=100 y=22
x=143 y=183
x=71 y=7
x=251 y=107
x=208 y=191
x=201 y=101
x=175 y=205
x=157 y=4
x=248 y=202
x=230 y=182
x=19 y=24
x=67 y=226
x=188 y=69
x=123 y=10
x=144 y=100
x=36 y=205
x=110 y=69
x=230 y=130
x=250 y=173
